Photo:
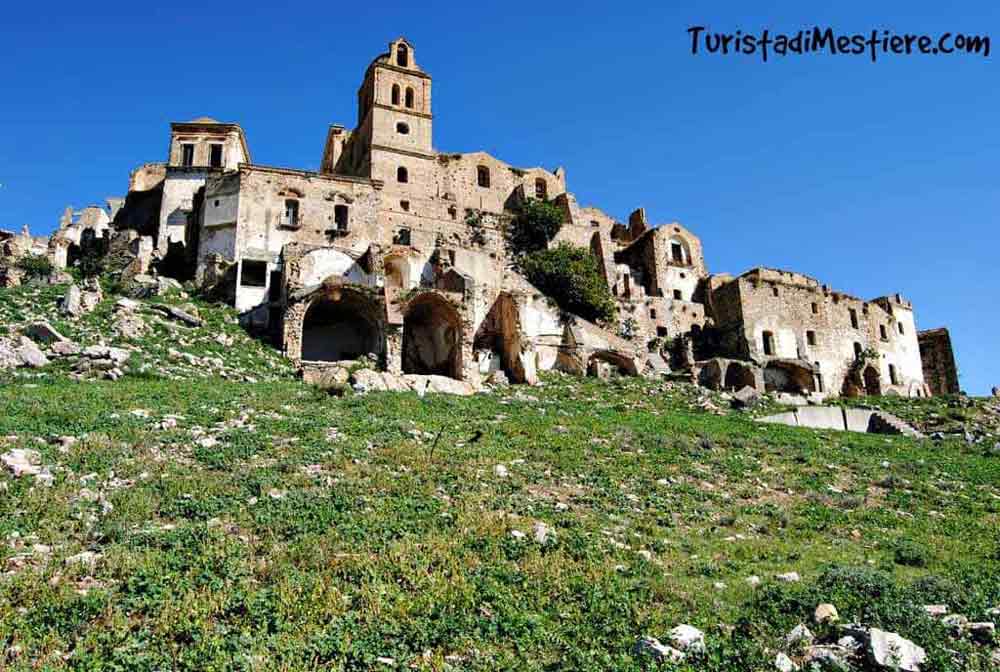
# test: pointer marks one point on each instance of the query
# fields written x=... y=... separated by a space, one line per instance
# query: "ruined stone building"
x=396 y=250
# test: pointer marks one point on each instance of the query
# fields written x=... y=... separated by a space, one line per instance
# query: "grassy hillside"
x=210 y=524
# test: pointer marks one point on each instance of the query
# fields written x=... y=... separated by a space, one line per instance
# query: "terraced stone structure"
x=397 y=251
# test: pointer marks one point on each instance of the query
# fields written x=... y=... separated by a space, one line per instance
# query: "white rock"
x=517 y=534
x=783 y=663
x=688 y=638
x=800 y=635
x=22 y=462
x=891 y=651
x=936 y=610
x=501 y=471
x=88 y=558
x=754 y=580
x=826 y=613
x=661 y=652
x=789 y=577
x=541 y=532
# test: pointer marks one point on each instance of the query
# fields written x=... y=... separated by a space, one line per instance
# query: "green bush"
x=910 y=554
x=91 y=264
x=536 y=224
x=570 y=276
x=35 y=265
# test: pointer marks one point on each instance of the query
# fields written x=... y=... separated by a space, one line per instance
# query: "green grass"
x=245 y=521
x=322 y=533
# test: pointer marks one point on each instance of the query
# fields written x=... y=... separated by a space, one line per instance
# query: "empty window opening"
x=402 y=56
x=402 y=176
x=678 y=295
x=677 y=252
x=405 y=205
x=409 y=97
x=215 y=158
x=893 y=378
x=274 y=289
x=187 y=155
x=883 y=332
x=541 y=189
x=253 y=273
x=594 y=222
x=402 y=237
x=341 y=217
x=483 y=176
x=652 y=313
x=768 y=343
x=661 y=332
x=774 y=290
x=402 y=128
x=854 y=318
x=900 y=326
x=291 y=219
x=815 y=308
x=395 y=94
x=811 y=337
x=216 y=204
x=858 y=350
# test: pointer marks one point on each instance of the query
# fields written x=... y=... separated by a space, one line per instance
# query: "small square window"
x=677 y=294
x=253 y=274
x=652 y=313
x=405 y=205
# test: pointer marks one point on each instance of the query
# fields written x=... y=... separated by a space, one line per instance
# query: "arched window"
x=402 y=128
x=541 y=189
x=402 y=175
x=402 y=56
x=409 y=97
x=395 y=94
x=483 y=176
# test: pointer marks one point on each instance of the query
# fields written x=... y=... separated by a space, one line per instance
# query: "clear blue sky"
x=875 y=178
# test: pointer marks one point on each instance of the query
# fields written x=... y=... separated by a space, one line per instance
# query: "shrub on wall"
x=534 y=226
x=571 y=277
x=35 y=266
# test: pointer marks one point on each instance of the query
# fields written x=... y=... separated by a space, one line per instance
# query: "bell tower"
x=394 y=102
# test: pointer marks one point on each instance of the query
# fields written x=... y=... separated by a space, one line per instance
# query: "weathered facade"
x=396 y=251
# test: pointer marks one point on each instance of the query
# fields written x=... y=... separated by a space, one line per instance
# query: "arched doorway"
x=788 y=377
x=739 y=376
x=873 y=382
x=604 y=363
x=498 y=340
x=432 y=338
x=342 y=325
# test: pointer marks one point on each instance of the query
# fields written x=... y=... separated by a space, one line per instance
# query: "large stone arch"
x=872 y=380
x=342 y=324
x=787 y=376
x=739 y=376
x=622 y=365
x=499 y=337
x=432 y=337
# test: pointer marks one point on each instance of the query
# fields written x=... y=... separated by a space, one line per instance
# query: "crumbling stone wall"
x=938 y=360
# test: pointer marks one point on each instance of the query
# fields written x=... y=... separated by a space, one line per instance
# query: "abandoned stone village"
x=398 y=253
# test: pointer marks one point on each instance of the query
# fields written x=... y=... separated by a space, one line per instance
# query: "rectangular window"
x=291 y=219
x=858 y=350
x=854 y=318
x=652 y=313
x=661 y=332
x=215 y=157
x=892 y=375
x=768 y=343
x=187 y=155
x=883 y=332
x=811 y=337
x=677 y=252
x=340 y=217
x=900 y=325
x=253 y=274
x=677 y=294
x=815 y=308
x=774 y=290
x=402 y=237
